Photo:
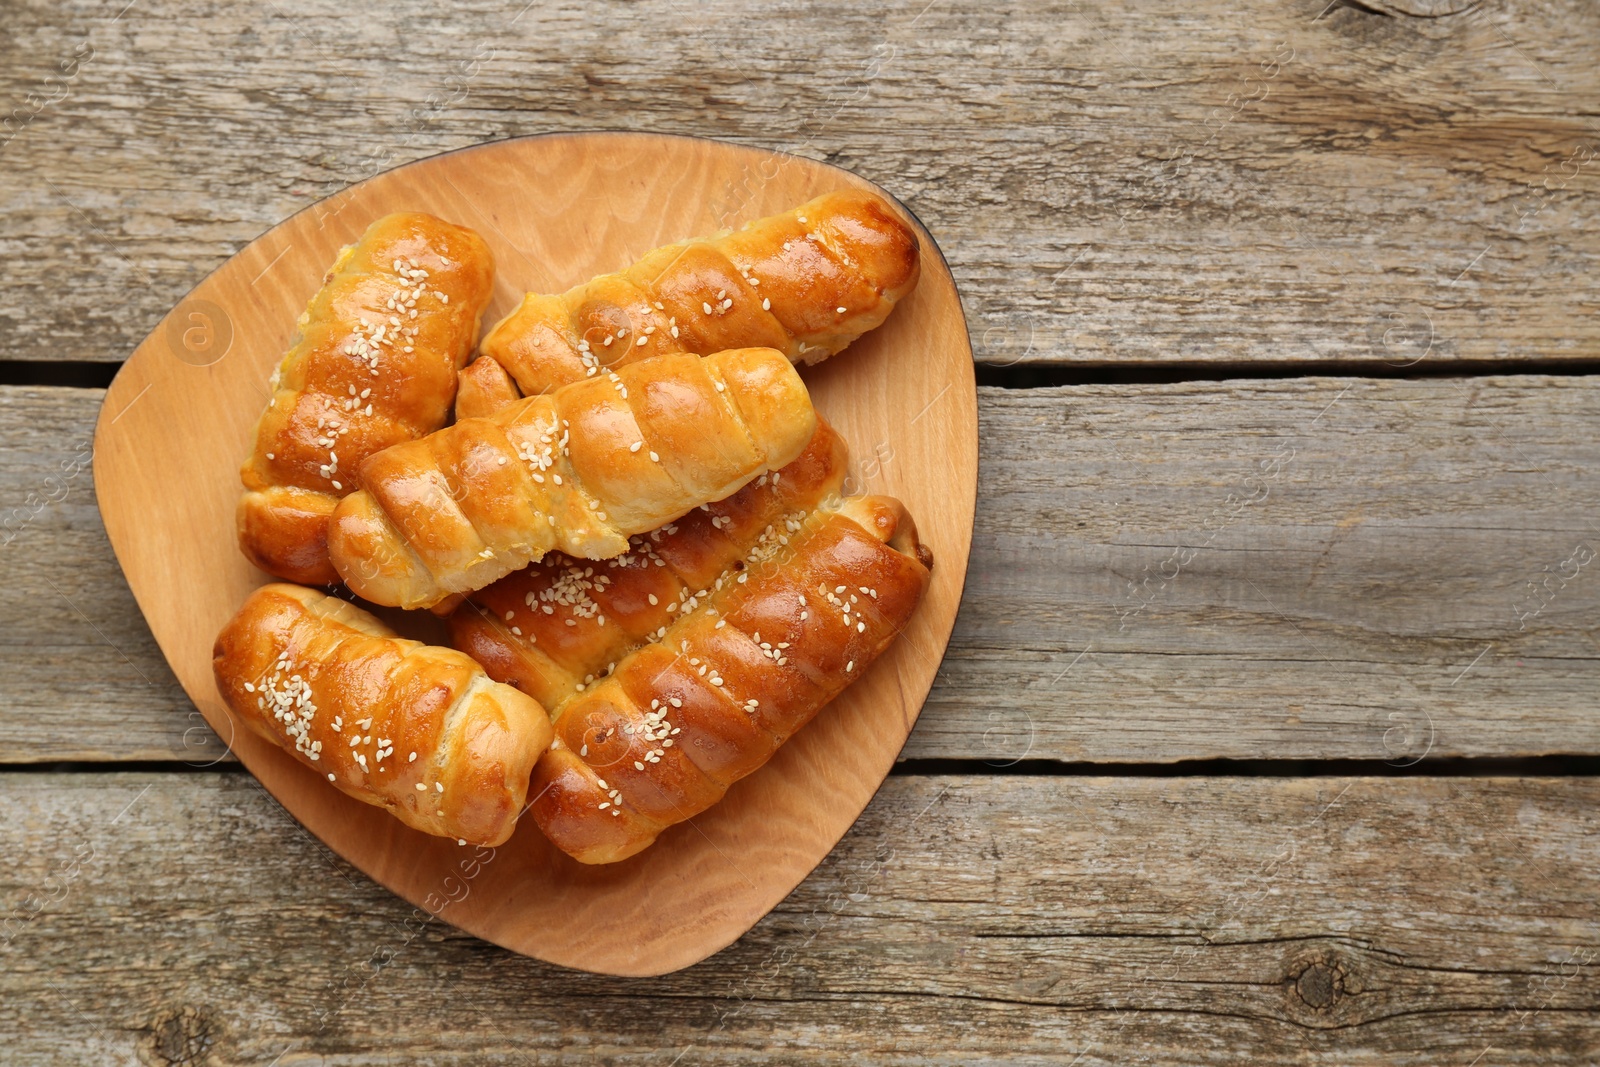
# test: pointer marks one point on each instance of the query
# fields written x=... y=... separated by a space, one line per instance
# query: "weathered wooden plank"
x=1199 y=182
x=1361 y=568
x=1304 y=568
x=83 y=677
x=964 y=920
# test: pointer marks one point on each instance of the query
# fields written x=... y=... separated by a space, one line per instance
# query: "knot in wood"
x=1320 y=985
x=181 y=1038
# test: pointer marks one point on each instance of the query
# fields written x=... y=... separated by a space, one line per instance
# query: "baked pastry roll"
x=580 y=469
x=806 y=282
x=418 y=730
x=682 y=718
x=373 y=363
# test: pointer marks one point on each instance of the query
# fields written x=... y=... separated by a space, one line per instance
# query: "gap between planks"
x=1563 y=766
x=92 y=374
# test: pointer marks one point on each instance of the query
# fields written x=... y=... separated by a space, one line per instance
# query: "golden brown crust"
x=806 y=282
x=373 y=363
x=483 y=388
x=551 y=628
x=664 y=736
x=580 y=469
x=284 y=531
x=418 y=730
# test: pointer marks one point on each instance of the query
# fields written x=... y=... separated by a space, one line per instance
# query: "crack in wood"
x=182 y=1037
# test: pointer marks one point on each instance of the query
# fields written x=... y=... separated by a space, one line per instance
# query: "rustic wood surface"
x=1401 y=188
x=1274 y=180
x=1306 y=568
x=186 y=919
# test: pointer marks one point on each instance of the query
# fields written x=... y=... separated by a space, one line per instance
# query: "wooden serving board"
x=555 y=210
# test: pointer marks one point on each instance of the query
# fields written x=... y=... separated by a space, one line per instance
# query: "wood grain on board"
x=1399 y=579
x=1256 y=182
x=185 y=919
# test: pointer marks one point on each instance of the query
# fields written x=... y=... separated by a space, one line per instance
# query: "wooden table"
x=1269 y=730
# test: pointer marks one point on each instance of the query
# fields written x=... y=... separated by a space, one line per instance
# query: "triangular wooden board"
x=555 y=210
